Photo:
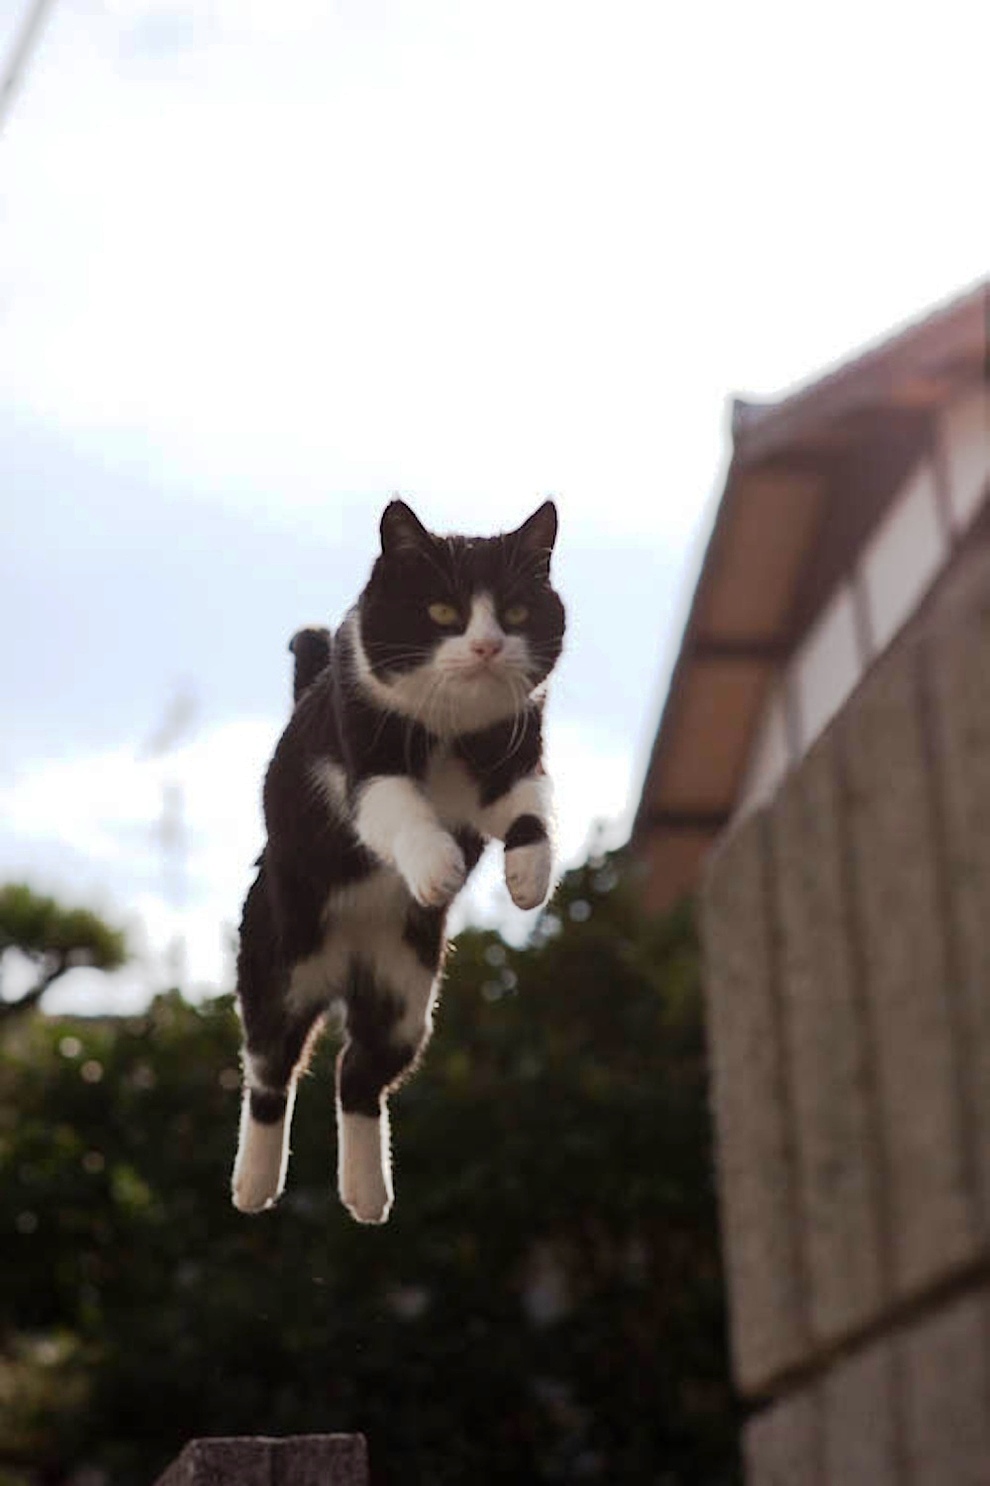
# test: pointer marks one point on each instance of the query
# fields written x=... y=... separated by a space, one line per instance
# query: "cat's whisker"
x=440 y=708
x=433 y=709
x=424 y=712
x=399 y=658
x=518 y=724
x=448 y=701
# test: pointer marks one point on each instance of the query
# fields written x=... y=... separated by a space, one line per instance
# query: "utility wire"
x=13 y=71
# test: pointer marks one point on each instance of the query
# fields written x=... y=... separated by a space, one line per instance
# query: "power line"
x=13 y=72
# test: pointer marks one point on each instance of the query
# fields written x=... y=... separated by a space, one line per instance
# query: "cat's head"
x=459 y=632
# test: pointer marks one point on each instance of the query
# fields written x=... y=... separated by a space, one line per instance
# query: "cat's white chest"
x=451 y=790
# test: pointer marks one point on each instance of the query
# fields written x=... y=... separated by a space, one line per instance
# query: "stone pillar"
x=298 y=1460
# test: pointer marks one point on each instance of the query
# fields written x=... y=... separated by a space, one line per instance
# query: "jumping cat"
x=416 y=737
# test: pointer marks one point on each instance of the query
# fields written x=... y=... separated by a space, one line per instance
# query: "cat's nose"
x=487 y=649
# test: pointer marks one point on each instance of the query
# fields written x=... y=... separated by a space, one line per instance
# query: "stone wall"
x=847 y=944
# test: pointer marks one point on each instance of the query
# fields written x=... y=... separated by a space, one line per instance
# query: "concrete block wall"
x=847 y=944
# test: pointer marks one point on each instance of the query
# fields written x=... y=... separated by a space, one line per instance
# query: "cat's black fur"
x=311 y=648
x=408 y=735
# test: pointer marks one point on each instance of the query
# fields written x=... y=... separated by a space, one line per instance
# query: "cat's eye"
x=444 y=614
x=516 y=614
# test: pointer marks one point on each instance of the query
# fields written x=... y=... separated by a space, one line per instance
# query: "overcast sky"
x=262 y=265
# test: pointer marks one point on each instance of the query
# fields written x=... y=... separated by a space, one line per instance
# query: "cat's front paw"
x=433 y=866
x=527 y=873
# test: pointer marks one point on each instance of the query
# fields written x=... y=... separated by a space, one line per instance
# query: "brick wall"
x=847 y=945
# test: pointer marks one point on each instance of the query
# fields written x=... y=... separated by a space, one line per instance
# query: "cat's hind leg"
x=390 y=998
x=278 y=1025
x=262 y=1146
x=270 y=1079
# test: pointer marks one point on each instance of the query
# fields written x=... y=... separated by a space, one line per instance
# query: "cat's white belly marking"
x=363 y=906
x=451 y=790
x=365 y=920
x=318 y=979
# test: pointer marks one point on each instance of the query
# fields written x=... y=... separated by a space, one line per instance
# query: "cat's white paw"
x=252 y=1192
x=364 y=1177
x=262 y=1158
x=367 y=1199
x=433 y=866
x=527 y=873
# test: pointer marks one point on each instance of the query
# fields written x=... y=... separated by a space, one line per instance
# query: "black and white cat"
x=416 y=738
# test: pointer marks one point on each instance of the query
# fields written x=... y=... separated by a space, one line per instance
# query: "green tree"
x=545 y=1304
x=53 y=939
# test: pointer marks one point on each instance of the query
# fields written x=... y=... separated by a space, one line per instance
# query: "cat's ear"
x=401 y=529
x=537 y=535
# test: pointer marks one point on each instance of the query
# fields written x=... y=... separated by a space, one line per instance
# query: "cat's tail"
x=311 y=648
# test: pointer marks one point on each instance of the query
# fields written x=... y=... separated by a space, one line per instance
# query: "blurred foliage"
x=53 y=939
x=545 y=1304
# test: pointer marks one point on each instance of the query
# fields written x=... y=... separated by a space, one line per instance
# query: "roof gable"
x=810 y=479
